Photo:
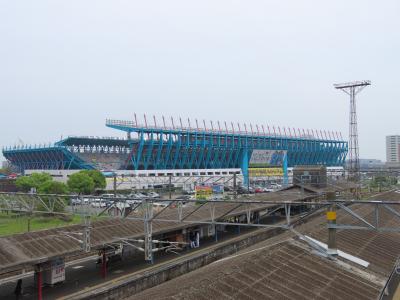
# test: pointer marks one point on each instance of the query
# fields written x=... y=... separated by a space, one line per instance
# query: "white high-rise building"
x=392 y=149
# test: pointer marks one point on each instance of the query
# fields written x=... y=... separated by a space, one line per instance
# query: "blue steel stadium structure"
x=163 y=148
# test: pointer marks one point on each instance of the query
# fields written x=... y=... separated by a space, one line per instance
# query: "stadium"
x=177 y=147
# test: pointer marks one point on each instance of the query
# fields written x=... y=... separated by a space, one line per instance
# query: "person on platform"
x=192 y=240
x=197 y=239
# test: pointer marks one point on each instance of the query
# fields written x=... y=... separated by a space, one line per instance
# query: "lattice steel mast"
x=353 y=164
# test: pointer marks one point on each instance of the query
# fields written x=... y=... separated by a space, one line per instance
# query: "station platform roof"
x=22 y=250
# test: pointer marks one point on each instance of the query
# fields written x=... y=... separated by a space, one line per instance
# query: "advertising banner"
x=203 y=192
x=207 y=191
x=218 y=189
x=54 y=271
x=265 y=172
x=267 y=158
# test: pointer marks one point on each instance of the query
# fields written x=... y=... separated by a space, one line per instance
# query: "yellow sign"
x=331 y=215
x=120 y=179
x=203 y=192
x=265 y=172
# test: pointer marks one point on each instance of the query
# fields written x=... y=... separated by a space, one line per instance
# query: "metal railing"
x=195 y=212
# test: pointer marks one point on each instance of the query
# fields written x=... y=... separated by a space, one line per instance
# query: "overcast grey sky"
x=66 y=66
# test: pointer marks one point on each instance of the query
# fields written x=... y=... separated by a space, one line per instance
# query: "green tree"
x=53 y=187
x=40 y=178
x=98 y=178
x=383 y=181
x=25 y=183
x=81 y=183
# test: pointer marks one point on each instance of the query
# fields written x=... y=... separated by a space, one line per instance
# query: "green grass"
x=13 y=223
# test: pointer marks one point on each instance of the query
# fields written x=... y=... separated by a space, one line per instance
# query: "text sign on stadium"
x=267 y=163
x=265 y=172
x=267 y=158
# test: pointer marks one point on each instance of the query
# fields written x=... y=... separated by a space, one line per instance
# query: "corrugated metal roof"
x=380 y=249
x=290 y=269
x=287 y=270
x=35 y=247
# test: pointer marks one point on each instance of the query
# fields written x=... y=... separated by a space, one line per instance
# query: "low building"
x=310 y=175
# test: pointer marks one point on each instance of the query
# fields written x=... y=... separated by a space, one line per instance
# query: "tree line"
x=84 y=182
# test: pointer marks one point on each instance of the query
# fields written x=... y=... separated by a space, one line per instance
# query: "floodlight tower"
x=352 y=89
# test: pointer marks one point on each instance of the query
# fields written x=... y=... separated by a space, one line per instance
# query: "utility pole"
x=353 y=163
x=148 y=230
x=115 y=185
x=234 y=186
x=86 y=234
x=170 y=186
x=331 y=219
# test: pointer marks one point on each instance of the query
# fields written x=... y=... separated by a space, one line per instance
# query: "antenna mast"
x=353 y=162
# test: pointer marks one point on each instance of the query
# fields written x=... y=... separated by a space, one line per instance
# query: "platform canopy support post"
x=148 y=231
x=38 y=278
x=331 y=219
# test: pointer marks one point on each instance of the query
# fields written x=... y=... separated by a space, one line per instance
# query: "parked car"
x=153 y=195
x=109 y=199
x=98 y=202
x=227 y=189
x=160 y=204
x=75 y=201
x=188 y=192
x=241 y=191
x=142 y=196
x=107 y=196
x=268 y=189
x=137 y=196
x=133 y=202
x=258 y=190
x=276 y=186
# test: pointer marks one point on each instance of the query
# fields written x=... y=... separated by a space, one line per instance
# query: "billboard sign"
x=218 y=189
x=266 y=172
x=54 y=271
x=207 y=191
x=203 y=192
x=267 y=158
